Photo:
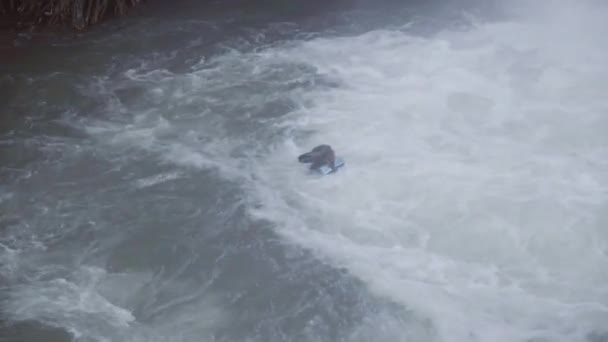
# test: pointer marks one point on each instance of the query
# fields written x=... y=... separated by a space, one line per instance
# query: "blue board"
x=325 y=170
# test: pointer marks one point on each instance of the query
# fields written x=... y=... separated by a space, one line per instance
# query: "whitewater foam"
x=475 y=192
x=476 y=188
x=68 y=301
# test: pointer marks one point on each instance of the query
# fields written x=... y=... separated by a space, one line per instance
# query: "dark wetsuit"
x=319 y=156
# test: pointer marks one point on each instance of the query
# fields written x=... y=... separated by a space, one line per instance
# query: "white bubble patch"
x=476 y=181
x=63 y=300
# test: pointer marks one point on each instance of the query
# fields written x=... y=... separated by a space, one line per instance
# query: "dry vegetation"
x=77 y=14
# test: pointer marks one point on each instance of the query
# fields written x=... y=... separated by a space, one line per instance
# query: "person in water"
x=318 y=157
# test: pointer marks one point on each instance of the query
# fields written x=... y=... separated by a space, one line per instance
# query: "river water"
x=150 y=188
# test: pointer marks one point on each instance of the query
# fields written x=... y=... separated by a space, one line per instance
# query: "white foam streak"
x=62 y=301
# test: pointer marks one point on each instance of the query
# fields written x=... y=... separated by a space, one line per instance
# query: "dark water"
x=149 y=190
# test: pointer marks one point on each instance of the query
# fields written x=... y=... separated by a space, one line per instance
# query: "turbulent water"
x=151 y=191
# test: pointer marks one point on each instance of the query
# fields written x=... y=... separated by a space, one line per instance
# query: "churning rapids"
x=150 y=188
